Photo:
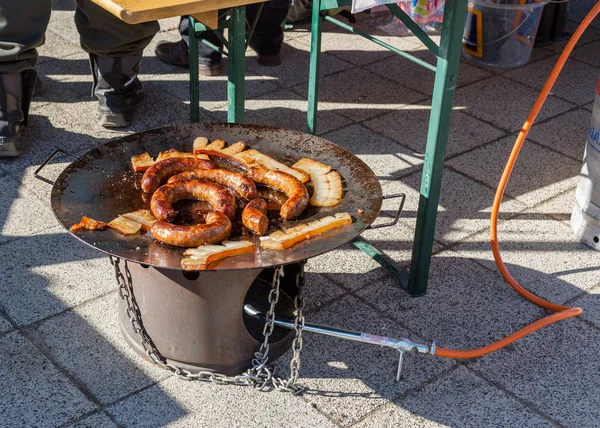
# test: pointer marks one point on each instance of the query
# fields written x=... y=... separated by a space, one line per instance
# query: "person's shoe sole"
x=203 y=70
x=269 y=60
x=114 y=120
x=10 y=149
x=210 y=70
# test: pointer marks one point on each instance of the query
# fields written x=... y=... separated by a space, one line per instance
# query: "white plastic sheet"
x=360 y=5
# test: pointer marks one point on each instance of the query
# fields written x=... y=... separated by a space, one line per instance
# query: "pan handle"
x=402 y=197
x=44 y=179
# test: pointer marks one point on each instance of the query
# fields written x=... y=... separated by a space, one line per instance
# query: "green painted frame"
x=446 y=71
x=235 y=49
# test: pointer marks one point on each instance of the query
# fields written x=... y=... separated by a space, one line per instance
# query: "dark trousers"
x=266 y=40
x=23 y=25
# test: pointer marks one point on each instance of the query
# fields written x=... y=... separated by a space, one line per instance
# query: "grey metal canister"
x=585 y=219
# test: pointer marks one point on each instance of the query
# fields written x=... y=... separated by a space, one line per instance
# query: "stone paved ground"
x=64 y=363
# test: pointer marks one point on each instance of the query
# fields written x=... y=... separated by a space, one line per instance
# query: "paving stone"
x=416 y=77
x=579 y=9
x=295 y=61
x=59 y=6
x=356 y=384
x=408 y=126
x=21 y=169
x=458 y=402
x=353 y=379
x=536 y=55
x=286 y=109
x=359 y=94
x=151 y=65
x=168 y=24
x=50 y=128
x=392 y=415
x=42 y=281
x=560 y=207
x=395 y=241
x=87 y=343
x=347 y=267
x=589 y=107
x=590 y=303
x=213 y=89
x=65 y=80
x=587 y=53
x=463 y=209
x=358 y=50
x=5 y=325
x=504 y=103
x=566 y=133
x=387 y=159
x=461 y=295
x=62 y=22
x=21 y=213
x=539 y=249
x=577 y=82
x=157 y=110
x=177 y=403
x=98 y=420
x=318 y=292
x=590 y=35
x=555 y=369
x=32 y=391
x=539 y=174
x=56 y=46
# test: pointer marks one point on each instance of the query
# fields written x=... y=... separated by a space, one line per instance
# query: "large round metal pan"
x=101 y=185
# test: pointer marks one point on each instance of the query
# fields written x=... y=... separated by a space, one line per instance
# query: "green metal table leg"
x=437 y=138
x=237 y=63
x=313 y=72
x=383 y=259
x=194 y=77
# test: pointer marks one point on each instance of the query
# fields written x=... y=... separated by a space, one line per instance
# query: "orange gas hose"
x=562 y=312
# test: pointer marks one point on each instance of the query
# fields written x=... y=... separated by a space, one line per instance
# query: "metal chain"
x=261 y=375
x=290 y=383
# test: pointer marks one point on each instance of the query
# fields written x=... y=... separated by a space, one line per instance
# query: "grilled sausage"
x=224 y=159
x=274 y=198
x=238 y=182
x=254 y=218
x=160 y=171
x=291 y=186
x=215 y=230
x=219 y=197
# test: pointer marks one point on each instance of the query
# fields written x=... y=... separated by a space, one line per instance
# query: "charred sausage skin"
x=158 y=173
x=291 y=186
x=221 y=199
x=216 y=229
x=254 y=216
x=238 y=182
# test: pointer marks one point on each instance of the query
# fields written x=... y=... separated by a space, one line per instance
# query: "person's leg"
x=176 y=53
x=22 y=28
x=268 y=34
x=115 y=50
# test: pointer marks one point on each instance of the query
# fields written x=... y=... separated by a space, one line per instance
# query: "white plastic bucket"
x=501 y=33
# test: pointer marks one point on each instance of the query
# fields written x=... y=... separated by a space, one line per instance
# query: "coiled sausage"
x=291 y=186
x=161 y=171
x=220 y=198
x=238 y=182
x=216 y=229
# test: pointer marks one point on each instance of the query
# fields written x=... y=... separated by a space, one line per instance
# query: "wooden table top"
x=137 y=11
